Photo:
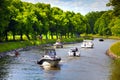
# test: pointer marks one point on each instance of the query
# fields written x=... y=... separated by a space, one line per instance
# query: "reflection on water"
x=93 y=64
x=115 y=70
x=3 y=66
x=51 y=68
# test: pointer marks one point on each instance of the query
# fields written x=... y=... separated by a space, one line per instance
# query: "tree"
x=80 y=24
x=101 y=25
x=116 y=6
x=92 y=18
x=56 y=21
x=115 y=26
x=4 y=17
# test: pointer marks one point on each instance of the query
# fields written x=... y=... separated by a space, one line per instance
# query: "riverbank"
x=114 y=50
x=7 y=47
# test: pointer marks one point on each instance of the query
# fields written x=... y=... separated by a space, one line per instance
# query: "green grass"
x=72 y=40
x=7 y=46
x=115 y=48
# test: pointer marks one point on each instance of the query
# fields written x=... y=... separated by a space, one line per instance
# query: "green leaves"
x=116 y=6
x=115 y=26
x=101 y=25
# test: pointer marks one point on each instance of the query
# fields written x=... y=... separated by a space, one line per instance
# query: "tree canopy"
x=23 y=18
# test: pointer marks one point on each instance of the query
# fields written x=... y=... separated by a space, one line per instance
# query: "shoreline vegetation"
x=114 y=50
x=6 y=47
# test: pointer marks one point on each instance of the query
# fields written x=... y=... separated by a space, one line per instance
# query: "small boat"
x=101 y=39
x=13 y=53
x=49 y=59
x=58 y=45
x=87 y=44
x=74 y=52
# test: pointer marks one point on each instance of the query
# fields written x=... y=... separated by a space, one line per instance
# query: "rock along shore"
x=112 y=55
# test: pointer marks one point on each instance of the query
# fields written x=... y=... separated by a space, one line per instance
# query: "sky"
x=77 y=6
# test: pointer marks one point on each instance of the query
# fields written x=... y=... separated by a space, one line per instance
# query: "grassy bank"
x=99 y=36
x=115 y=48
x=7 y=46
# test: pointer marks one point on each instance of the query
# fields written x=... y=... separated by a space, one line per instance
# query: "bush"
x=115 y=48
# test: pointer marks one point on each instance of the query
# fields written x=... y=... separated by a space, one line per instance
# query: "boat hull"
x=74 y=54
x=87 y=44
x=58 y=45
x=49 y=62
x=101 y=40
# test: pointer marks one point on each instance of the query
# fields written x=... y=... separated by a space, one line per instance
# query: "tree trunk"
x=65 y=36
x=6 y=36
x=21 y=38
x=60 y=36
x=13 y=36
x=51 y=36
x=71 y=35
x=56 y=35
x=46 y=37
x=28 y=36
x=68 y=35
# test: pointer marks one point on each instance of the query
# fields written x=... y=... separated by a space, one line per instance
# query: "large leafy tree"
x=80 y=24
x=56 y=21
x=115 y=26
x=4 y=17
x=14 y=9
x=42 y=12
x=101 y=25
x=24 y=18
x=71 y=28
x=92 y=18
x=64 y=25
x=116 y=6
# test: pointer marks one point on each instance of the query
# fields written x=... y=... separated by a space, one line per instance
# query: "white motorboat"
x=87 y=44
x=74 y=53
x=58 y=45
x=49 y=59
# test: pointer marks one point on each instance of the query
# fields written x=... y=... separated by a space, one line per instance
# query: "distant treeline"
x=23 y=18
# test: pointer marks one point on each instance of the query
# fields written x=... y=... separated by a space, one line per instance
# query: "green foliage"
x=92 y=18
x=115 y=26
x=115 y=74
x=13 y=45
x=116 y=6
x=7 y=46
x=115 y=48
x=72 y=40
x=101 y=25
x=23 y=18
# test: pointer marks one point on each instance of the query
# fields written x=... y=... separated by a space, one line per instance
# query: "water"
x=93 y=64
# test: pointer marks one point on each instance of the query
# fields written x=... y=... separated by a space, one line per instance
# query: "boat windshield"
x=50 y=52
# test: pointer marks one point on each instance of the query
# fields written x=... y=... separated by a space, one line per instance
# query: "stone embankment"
x=112 y=55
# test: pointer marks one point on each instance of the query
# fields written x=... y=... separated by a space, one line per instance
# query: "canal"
x=93 y=64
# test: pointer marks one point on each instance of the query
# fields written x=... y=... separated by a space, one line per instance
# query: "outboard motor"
x=74 y=54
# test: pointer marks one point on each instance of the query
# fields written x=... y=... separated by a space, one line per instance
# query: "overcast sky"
x=81 y=6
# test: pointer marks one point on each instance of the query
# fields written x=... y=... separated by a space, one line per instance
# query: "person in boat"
x=74 y=50
x=16 y=53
